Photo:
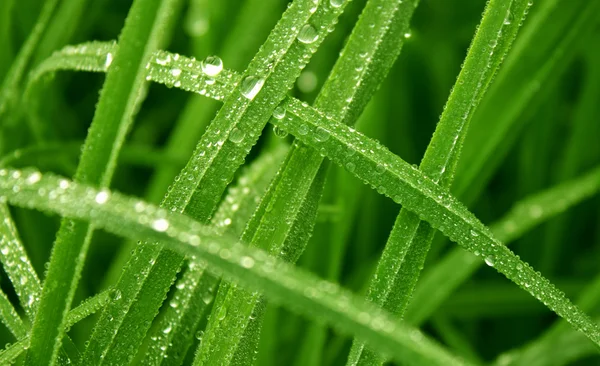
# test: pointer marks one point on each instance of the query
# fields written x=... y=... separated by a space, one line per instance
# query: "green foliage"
x=251 y=226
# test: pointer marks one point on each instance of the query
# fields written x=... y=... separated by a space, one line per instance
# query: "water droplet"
x=350 y=167
x=167 y=330
x=303 y=129
x=407 y=35
x=279 y=112
x=34 y=177
x=160 y=225
x=101 y=197
x=336 y=3
x=176 y=72
x=207 y=298
x=212 y=65
x=308 y=34
x=474 y=233
x=321 y=134
x=164 y=61
x=236 y=136
x=222 y=313
x=279 y=132
x=116 y=295
x=489 y=260
x=108 y=60
x=251 y=85
x=247 y=262
x=509 y=17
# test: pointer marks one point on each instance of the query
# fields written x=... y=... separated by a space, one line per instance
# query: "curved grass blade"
x=382 y=170
x=371 y=50
x=194 y=291
x=16 y=264
x=10 y=85
x=292 y=287
x=10 y=318
x=404 y=255
x=439 y=283
x=555 y=30
x=85 y=309
x=119 y=100
x=390 y=175
x=6 y=36
x=219 y=153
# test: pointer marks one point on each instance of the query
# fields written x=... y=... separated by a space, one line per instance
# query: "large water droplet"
x=279 y=132
x=489 y=260
x=212 y=65
x=336 y=3
x=308 y=34
x=108 y=60
x=101 y=197
x=321 y=134
x=236 y=136
x=160 y=225
x=176 y=72
x=251 y=85
x=509 y=18
x=279 y=112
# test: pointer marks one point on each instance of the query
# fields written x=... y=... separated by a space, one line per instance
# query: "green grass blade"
x=409 y=241
x=10 y=318
x=364 y=62
x=119 y=100
x=395 y=178
x=219 y=153
x=10 y=85
x=555 y=30
x=194 y=291
x=5 y=36
x=253 y=267
x=458 y=265
x=17 y=265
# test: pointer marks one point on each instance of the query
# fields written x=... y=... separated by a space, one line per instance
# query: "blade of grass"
x=5 y=36
x=189 y=302
x=10 y=318
x=555 y=30
x=459 y=265
x=404 y=255
x=10 y=85
x=119 y=100
x=377 y=33
x=219 y=153
x=132 y=218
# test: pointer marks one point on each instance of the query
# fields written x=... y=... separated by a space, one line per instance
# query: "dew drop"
x=489 y=260
x=167 y=330
x=251 y=85
x=308 y=34
x=34 y=177
x=279 y=112
x=279 y=132
x=108 y=60
x=101 y=197
x=176 y=72
x=236 y=136
x=407 y=35
x=336 y=3
x=222 y=313
x=350 y=166
x=247 y=262
x=212 y=65
x=207 y=298
x=474 y=233
x=160 y=225
x=509 y=18
x=321 y=134
x=164 y=61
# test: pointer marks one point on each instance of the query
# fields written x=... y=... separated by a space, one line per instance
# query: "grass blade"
x=118 y=103
x=10 y=85
x=219 y=153
x=250 y=266
x=458 y=265
x=10 y=318
x=410 y=239
x=362 y=66
x=193 y=295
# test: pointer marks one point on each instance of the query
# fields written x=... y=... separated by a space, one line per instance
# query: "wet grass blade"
x=10 y=318
x=10 y=86
x=133 y=218
x=459 y=265
x=290 y=206
x=218 y=155
x=119 y=100
x=404 y=255
x=194 y=291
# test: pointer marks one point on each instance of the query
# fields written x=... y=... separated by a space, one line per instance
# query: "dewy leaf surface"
x=253 y=267
x=458 y=265
x=119 y=101
x=219 y=153
x=402 y=259
x=368 y=55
